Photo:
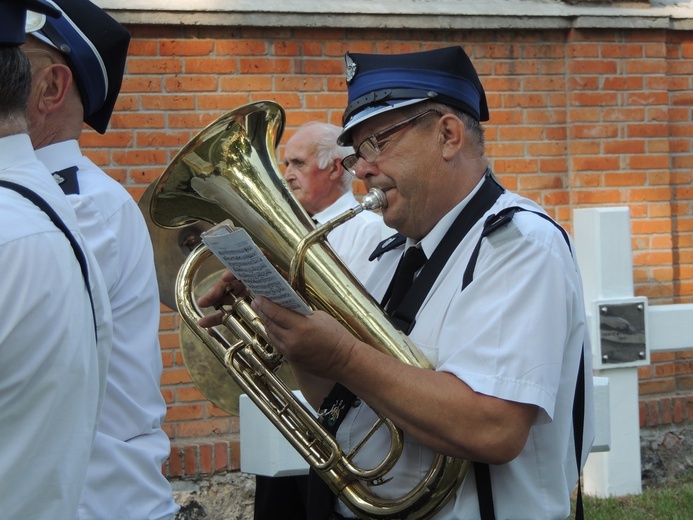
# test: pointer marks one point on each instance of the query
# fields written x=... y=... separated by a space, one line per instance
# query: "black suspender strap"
x=484 y=492
x=578 y=427
x=481 y=470
x=48 y=210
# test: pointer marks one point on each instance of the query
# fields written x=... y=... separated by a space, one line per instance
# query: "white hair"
x=327 y=149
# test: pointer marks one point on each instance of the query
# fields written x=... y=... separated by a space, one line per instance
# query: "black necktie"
x=414 y=259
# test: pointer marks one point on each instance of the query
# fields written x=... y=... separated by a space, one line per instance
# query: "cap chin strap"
x=36 y=33
x=387 y=94
x=369 y=111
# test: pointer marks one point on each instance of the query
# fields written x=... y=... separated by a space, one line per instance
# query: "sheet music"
x=238 y=252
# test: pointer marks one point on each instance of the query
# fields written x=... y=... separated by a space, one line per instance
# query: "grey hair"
x=327 y=149
x=471 y=125
x=15 y=83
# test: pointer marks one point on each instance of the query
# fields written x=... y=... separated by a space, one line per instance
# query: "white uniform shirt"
x=356 y=239
x=516 y=333
x=124 y=479
x=51 y=370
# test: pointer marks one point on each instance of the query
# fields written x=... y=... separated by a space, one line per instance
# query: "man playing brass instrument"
x=497 y=307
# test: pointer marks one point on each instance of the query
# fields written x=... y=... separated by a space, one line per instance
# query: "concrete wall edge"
x=400 y=14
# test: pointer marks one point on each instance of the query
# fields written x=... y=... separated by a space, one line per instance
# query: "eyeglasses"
x=370 y=148
x=45 y=52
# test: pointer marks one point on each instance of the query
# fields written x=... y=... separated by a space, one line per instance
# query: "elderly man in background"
x=55 y=332
x=321 y=184
x=78 y=62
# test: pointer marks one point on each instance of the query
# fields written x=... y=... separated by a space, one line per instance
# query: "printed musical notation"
x=237 y=251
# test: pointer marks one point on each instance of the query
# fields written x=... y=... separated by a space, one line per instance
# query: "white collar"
x=58 y=156
x=339 y=206
x=14 y=150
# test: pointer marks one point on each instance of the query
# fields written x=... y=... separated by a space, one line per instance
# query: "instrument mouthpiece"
x=374 y=199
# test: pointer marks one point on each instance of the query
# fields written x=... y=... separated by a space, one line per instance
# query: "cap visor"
x=345 y=139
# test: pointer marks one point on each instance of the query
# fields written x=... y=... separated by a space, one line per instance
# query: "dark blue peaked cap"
x=13 y=18
x=95 y=46
x=380 y=82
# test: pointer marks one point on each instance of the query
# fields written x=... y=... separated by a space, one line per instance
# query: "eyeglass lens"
x=369 y=150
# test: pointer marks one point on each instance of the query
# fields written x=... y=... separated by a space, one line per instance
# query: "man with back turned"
x=55 y=331
x=78 y=61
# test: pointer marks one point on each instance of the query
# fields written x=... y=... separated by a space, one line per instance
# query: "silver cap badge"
x=351 y=68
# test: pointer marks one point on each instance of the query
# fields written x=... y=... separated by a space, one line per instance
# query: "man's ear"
x=54 y=82
x=451 y=136
x=335 y=168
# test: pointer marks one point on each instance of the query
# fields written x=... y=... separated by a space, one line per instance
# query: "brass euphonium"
x=228 y=171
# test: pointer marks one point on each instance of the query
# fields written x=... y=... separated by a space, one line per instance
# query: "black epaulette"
x=388 y=244
x=67 y=180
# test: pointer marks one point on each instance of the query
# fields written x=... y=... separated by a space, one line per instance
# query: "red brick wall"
x=578 y=118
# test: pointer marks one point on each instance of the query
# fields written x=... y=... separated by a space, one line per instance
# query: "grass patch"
x=670 y=501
